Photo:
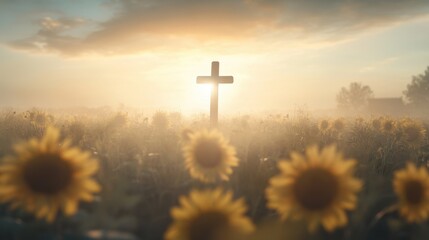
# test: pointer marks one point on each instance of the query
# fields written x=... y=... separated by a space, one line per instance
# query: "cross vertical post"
x=215 y=80
x=214 y=97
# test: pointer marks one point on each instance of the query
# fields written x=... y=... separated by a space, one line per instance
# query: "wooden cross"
x=214 y=79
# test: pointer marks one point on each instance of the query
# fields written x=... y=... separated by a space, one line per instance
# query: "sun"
x=205 y=90
x=198 y=97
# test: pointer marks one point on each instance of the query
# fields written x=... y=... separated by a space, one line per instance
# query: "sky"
x=146 y=54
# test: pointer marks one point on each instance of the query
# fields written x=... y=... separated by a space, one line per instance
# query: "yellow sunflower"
x=338 y=125
x=411 y=185
x=45 y=176
x=388 y=125
x=323 y=125
x=209 y=156
x=317 y=187
x=413 y=132
x=376 y=123
x=210 y=215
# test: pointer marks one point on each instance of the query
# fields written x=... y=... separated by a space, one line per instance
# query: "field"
x=143 y=174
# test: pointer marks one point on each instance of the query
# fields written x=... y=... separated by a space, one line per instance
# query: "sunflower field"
x=125 y=175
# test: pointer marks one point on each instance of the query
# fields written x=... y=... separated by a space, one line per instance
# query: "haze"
x=147 y=54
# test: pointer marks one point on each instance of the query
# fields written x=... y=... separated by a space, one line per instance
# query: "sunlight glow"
x=205 y=90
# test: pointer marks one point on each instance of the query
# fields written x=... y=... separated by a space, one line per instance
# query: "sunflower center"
x=316 y=188
x=47 y=173
x=414 y=192
x=208 y=226
x=208 y=154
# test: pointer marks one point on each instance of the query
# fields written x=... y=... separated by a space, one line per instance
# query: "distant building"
x=387 y=106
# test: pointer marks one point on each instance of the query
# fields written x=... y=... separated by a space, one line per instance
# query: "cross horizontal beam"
x=210 y=79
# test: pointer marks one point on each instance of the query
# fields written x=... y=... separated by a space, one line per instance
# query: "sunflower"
x=376 y=123
x=388 y=125
x=338 y=125
x=209 y=157
x=413 y=132
x=317 y=187
x=210 y=215
x=45 y=176
x=411 y=185
x=323 y=125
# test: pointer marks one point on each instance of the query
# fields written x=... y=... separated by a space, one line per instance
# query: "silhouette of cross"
x=214 y=79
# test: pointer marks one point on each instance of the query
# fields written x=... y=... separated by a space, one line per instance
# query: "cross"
x=214 y=79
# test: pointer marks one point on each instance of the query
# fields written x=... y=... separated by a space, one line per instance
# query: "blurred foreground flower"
x=210 y=215
x=45 y=176
x=209 y=156
x=412 y=187
x=317 y=187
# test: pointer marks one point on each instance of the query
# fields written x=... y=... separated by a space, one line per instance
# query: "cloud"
x=151 y=25
x=48 y=24
x=52 y=36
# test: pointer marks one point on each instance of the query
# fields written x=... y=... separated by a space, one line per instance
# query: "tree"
x=354 y=98
x=417 y=91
